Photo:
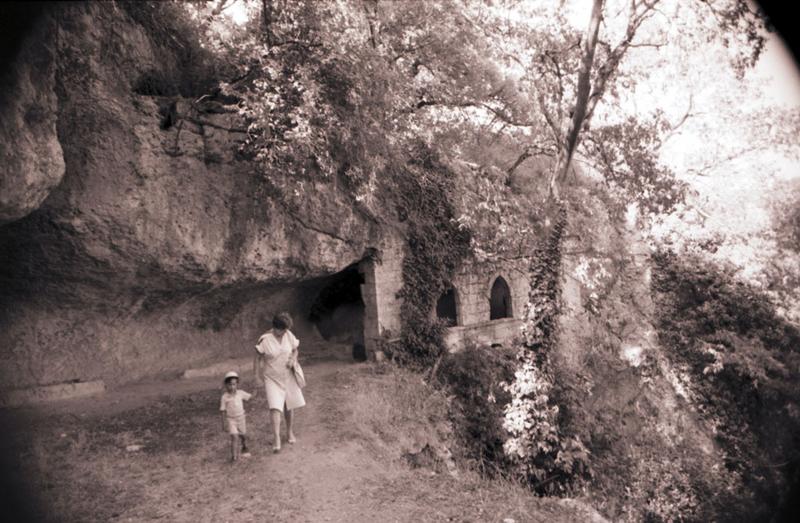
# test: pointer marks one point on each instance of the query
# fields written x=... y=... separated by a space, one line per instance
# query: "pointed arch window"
x=500 y=300
x=446 y=307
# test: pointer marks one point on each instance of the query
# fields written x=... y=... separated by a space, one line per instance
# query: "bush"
x=473 y=377
x=549 y=457
x=743 y=362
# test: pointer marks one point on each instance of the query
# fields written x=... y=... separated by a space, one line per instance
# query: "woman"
x=276 y=354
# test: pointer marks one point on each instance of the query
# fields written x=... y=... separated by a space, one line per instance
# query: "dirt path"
x=325 y=477
x=72 y=462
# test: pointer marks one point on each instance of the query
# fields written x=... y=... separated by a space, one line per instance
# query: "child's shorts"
x=237 y=425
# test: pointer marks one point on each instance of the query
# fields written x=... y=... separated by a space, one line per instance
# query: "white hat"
x=231 y=374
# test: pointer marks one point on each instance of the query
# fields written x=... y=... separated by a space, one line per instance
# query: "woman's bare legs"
x=289 y=417
x=275 y=418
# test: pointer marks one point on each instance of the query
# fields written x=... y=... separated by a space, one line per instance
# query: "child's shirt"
x=232 y=404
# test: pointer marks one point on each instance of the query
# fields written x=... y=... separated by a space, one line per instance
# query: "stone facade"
x=472 y=287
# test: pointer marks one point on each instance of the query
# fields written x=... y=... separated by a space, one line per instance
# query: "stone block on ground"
x=61 y=391
x=240 y=365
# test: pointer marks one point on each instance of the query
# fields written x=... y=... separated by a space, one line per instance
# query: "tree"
x=569 y=74
x=521 y=72
x=581 y=111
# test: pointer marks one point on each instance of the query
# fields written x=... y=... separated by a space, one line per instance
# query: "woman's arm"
x=258 y=368
x=295 y=343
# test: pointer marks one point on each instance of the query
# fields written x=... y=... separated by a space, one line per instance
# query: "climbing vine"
x=538 y=451
x=541 y=312
x=436 y=246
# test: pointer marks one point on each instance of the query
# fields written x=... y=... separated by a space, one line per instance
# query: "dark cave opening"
x=447 y=308
x=500 y=301
x=338 y=310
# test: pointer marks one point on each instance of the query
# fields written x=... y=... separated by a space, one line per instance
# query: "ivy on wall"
x=436 y=246
x=541 y=313
x=538 y=450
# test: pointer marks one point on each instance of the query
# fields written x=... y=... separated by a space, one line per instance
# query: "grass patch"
x=386 y=405
x=394 y=409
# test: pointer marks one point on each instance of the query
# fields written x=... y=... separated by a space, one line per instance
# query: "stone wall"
x=32 y=160
x=486 y=333
x=383 y=279
x=473 y=286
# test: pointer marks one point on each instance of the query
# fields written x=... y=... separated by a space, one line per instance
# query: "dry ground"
x=74 y=461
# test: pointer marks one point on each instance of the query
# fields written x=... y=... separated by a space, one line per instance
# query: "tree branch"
x=688 y=114
x=529 y=151
x=704 y=170
x=371 y=20
x=554 y=127
x=610 y=66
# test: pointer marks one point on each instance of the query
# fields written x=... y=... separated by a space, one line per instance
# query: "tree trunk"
x=371 y=10
x=572 y=137
x=266 y=20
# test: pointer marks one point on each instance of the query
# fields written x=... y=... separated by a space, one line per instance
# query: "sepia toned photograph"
x=500 y=261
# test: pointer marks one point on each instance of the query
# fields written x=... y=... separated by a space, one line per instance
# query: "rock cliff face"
x=161 y=247
x=31 y=160
x=625 y=397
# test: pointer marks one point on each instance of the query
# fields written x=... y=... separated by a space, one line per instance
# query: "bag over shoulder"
x=299 y=375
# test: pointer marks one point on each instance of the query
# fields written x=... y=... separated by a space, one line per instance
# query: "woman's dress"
x=271 y=366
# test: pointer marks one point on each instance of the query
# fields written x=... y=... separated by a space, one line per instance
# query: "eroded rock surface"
x=162 y=248
x=31 y=160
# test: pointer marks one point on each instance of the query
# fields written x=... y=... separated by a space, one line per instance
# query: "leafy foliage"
x=787 y=215
x=628 y=155
x=541 y=312
x=539 y=451
x=474 y=376
x=743 y=364
x=437 y=245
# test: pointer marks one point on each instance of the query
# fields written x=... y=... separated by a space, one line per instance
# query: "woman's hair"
x=282 y=320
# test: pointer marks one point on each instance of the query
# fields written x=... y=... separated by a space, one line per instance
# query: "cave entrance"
x=500 y=301
x=337 y=312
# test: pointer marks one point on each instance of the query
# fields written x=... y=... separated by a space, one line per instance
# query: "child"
x=233 y=421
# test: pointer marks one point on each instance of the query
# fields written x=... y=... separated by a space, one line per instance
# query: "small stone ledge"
x=484 y=333
x=240 y=365
x=61 y=391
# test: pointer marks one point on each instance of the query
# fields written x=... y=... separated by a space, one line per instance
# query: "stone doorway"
x=337 y=312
